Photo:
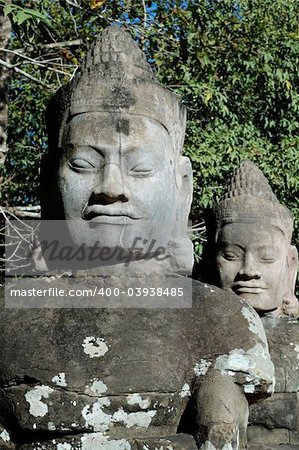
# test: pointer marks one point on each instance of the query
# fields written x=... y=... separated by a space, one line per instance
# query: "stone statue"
x=134 y=140
x=250 y=254
x=249 y=238
x=127 y=378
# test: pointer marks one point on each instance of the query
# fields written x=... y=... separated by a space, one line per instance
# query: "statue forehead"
x=103 y=123
x=254 y=234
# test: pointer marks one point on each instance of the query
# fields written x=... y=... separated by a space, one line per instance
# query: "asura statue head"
x=250 y=243
x=114 y=169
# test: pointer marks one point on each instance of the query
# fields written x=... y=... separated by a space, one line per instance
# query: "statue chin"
x=262 y=302
x=108 y=236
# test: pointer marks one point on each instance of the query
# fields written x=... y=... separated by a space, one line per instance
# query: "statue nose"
x=249 y=267
x=110 y=188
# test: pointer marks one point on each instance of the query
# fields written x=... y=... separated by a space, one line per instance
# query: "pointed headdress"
x=249 y=198
x=115 y=77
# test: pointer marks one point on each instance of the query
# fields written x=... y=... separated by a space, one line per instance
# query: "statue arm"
x=236 y=371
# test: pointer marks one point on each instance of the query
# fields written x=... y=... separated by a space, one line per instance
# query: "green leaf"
x=21 y=17
x=35 y=13
x=8 y=9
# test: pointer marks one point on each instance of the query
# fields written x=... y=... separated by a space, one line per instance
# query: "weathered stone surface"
x=280 y=411
x=222 y=393
x=283 y=338
x=5 y=442
x=278 y=416
x=258 y=434
x=272 y=447
x=294 y=437
x=96 y=441
x=178 y=442
x=128 y=373
x=52 y=409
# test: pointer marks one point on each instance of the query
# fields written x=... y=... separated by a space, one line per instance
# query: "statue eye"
x=268 y=255
x=142 y=169
x=267 y=259
x=230 y=256
x=81 y=164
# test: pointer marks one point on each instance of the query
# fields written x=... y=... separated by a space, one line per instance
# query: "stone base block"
x=272 y=447
x=279 y=411
x=96 y=441
x=260 y=435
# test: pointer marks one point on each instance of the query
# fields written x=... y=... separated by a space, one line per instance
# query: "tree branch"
x=144 y=14
x=22 y=72
x=74 y=43
x=35 y=62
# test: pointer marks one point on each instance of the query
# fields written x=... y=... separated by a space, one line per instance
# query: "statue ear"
x=180 y=246
x=185 y=185
x=290 y=305
x=292 y=262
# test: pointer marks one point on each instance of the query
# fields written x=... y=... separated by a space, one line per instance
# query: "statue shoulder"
x=227 y=309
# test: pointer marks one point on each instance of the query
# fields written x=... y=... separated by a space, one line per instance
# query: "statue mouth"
x=243 y=288
x=109 y=214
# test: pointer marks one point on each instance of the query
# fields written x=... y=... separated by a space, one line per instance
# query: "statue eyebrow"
x=103 y=151
x=76 y=146
x=268 y=247
x=229 y=244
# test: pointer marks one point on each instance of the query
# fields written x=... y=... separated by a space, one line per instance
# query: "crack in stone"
x=78 y=392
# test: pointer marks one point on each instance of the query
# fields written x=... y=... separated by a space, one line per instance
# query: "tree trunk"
x=4 y=76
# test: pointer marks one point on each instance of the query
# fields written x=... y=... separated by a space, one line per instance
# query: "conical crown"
x=248 y=179
x=115 y=77
x=115 y=55
x=249 y=198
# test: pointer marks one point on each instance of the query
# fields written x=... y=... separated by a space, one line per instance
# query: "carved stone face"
x=117 y=180
x=252 y=261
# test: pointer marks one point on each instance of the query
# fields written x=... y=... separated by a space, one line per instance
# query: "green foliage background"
x=234 y=63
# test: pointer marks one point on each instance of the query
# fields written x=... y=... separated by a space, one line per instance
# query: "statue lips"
x=112 y=214
x=248 y=288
